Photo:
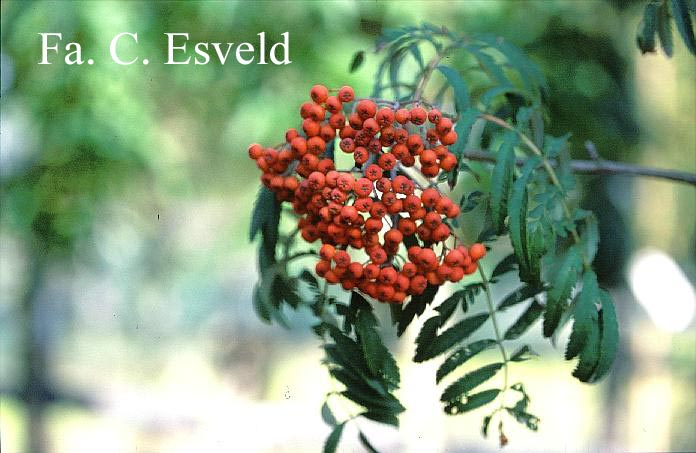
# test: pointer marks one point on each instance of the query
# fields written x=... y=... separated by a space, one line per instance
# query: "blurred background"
x=126 y=274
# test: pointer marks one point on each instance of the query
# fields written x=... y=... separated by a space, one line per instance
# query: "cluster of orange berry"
x=373 y=213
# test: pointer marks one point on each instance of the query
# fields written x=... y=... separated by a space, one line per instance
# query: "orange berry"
x=477 y=251
x=319 y=93
x=346 y=94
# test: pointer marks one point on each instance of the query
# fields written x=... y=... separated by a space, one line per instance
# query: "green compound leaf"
x=447 y=339
x=609 y=342
x=525 y=321
x=517 y=224
x=332 y=441
x=459 y=86
x=501 y=180
x=455 y=392
x=646 y=34
x=585 y=315
x=460 y=356
x=472 y=402
x=562 y=286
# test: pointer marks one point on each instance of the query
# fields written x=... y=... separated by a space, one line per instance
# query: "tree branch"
x=600 y=167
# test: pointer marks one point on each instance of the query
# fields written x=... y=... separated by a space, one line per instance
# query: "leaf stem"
x=498 y=338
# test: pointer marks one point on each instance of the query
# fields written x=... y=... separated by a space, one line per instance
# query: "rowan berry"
x=402 y=116
x=418 y=284
x=322 y=267
x=311 y=127
x=363 y=204
x=385 y=117
x=360 y=155
x=383 y=185
x=337 y=120
x=319 y=93
x=346 y=94
x=393 y=236
x=371 y=271
x=255 y=151
x=409 y=270
x=378 y=255
x=347 y=145
x=477 y=251
x=373 y=172
x=407 y=226
x=316 y=145
x=387 y=275
x=403 y=185
x=366 y=109
x=444 y=126
x=401 y=136
x=449 y=138
x=370 y=126
x=418 y=116
x=428 y=157
x=429 y=197
x=290 y=134
x=317 y=113
x=448 y=162
x=355 y=121
x=373 y=224
x=387 y=161
x=333 y=105
x=434 y=116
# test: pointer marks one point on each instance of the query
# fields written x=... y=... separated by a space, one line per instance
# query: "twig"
x=599 y=167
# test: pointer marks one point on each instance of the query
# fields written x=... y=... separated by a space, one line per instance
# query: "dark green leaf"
x=472 y=402
x=333 y=439
x=525 y=321
x=327 y=415
x=562 y=286
x=385 y=417
x=519 y=295
x=460 y=356
x=461 y=91
x=415 y=307
x=523 y=353
x=517 y=223
x=589 y=355
x=469 y=203
x=379 y=360
x=646 y=34
x=426 y=336
x=680 y=12
x=485 y=424
x=265 y=219
x=609 y=342
x=310 y=279
x=590 y=237
x=527 y=419
x=449 y=305
x=357 y=61
x=469 y=381
x=366 y=443
x=450 y=337
x=501 y=180
x=664 y=30
x=508 y=264
x=585 y=315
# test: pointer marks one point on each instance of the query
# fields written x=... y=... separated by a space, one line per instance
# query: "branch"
x=599 y=167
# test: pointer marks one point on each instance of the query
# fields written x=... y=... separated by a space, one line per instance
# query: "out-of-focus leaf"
x=680 y=12
x=646 y=34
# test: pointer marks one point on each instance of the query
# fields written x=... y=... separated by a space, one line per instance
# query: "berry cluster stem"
x=498 y=338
